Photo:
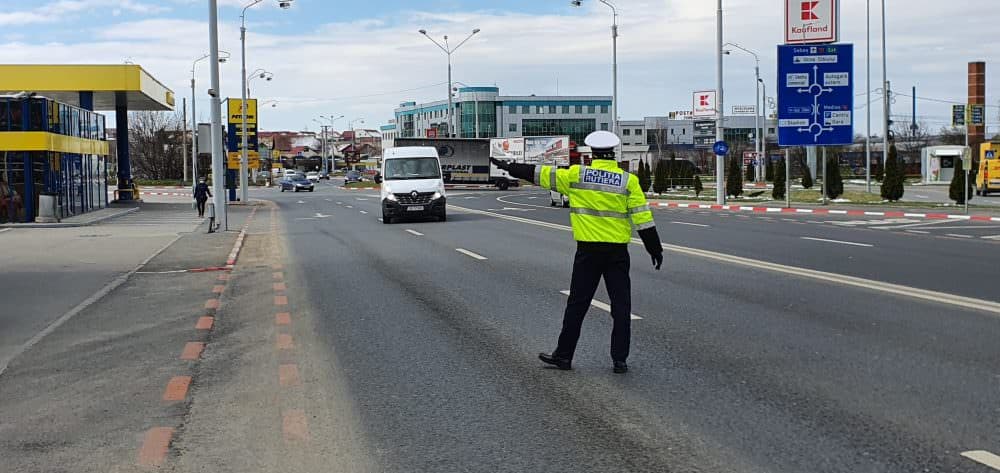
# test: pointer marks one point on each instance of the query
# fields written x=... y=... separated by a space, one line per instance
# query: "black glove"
x=657 y=260
x=500 y=164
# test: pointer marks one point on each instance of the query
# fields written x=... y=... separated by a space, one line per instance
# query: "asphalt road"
x=431 y=330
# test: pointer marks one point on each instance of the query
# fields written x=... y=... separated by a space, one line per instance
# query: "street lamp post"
x=354 y=135
x=448 y=50
x=756 y=119
x=720 y=160
x=223 y=57
x=218 y=168
x=327 y=162
x=885 y=96
x=614 y=65
x=244 y=194
x=868 y=93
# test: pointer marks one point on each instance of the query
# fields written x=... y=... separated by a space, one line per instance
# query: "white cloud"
x=666 y=50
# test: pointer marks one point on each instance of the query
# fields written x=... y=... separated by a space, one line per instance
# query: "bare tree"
x=156 y=145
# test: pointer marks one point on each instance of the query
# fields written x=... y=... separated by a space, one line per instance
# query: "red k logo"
x=809 y=10
x=703 y=100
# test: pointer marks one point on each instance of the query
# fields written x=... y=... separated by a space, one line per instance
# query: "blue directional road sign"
x=815 y=95
x=720 y=148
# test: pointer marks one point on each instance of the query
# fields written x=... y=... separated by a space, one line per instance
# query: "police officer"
x=605 y=204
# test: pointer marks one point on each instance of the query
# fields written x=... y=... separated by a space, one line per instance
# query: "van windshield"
x=412 y=168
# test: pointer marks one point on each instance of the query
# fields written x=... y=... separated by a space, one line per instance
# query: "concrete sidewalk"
x=90 y=218
x=86 y=394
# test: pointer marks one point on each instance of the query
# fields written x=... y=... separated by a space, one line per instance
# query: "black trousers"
x=590 y=265
x=201 y=207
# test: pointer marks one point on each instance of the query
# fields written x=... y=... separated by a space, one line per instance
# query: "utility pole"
x=184 y=132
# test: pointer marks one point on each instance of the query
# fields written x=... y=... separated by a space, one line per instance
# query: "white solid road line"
x=691 y=224
x=934 y=297
x=471 y=254
x=414 y=232
x=866 y=245
x=603 y=306
x=4 y=230
x=984 y=457
x=918 y=232
x=992 y=237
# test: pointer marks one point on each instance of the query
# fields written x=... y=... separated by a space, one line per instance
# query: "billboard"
x=507 y=148
x=812 y=21
x=547 y=150
x=703 y=104
x=234 y=135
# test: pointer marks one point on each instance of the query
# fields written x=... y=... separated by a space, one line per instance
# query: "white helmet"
x=602 y=140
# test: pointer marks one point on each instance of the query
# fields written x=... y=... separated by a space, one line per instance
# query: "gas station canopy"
x=65 y=82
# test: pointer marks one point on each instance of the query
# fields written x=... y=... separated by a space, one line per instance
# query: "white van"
x=412 y=185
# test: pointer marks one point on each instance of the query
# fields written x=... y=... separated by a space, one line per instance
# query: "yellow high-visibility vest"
x=605 y=202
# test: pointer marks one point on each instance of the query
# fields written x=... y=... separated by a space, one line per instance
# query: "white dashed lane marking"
x=851 y=243
x=983 y=457
x=603 y=306
x=470 y=254
x=414 y=232
x=690 y=224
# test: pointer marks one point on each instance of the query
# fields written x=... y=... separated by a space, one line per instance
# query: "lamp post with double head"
x=614 y=64
x=758 y=136
x=448 y=50
x=285 y=4
x=223 y=57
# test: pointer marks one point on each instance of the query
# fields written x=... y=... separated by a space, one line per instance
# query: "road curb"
x=851 y=212
x=238 y=246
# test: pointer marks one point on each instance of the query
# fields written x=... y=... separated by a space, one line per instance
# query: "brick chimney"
x=977 y=95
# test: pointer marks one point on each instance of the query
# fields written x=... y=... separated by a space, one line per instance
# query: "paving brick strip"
x=848 y=212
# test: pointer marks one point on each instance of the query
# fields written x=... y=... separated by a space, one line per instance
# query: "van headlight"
x=391 y=196
x=436 y=196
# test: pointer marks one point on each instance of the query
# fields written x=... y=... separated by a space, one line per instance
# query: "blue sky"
x=360 y=59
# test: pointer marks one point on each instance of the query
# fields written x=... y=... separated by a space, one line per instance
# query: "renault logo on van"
x=414 y=194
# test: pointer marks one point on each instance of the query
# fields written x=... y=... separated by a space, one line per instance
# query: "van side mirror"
x=378 y=178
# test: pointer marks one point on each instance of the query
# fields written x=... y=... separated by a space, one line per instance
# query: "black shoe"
x=621 y=367
x=561 y=363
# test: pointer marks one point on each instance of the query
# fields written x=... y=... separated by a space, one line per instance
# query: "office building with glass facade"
x=481 y=112
x=50 y=148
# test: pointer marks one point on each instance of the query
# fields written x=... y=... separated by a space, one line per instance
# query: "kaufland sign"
x=704 y=104
x=812 y=21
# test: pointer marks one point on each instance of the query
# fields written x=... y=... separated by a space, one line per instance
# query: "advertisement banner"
x=744 y=109
x=547 y=150
x=511 y=149
x=703 y=104
x=236 y=115
x=812 y=21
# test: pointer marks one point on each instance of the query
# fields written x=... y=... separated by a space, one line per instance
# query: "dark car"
x=352 y=176
x=296 y=183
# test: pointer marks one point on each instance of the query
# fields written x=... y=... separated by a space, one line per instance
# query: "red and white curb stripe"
x=238 y=246
x=860 y=213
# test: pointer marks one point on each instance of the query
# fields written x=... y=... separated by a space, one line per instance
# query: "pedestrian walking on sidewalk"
x=201 y=195
x=606 y=203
